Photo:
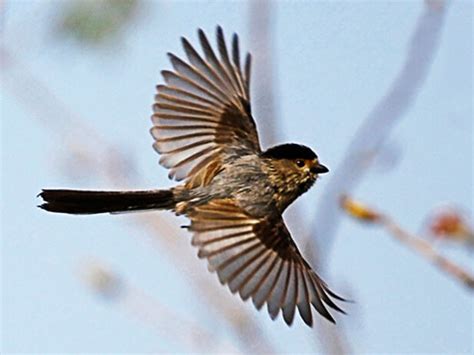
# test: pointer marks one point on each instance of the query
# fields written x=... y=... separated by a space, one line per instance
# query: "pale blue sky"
x=333 y=62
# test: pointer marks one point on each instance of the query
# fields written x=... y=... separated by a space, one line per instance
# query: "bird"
x=232 y=191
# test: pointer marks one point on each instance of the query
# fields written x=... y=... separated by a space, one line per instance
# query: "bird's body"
x=241 y=179
x=259 y=186
x=233 y=192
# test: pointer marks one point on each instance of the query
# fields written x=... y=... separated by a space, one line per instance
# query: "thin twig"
x=370 y=215
x=426 y=250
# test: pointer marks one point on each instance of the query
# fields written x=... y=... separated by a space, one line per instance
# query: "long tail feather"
x=91 y=202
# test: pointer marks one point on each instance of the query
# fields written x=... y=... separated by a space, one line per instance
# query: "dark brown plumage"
x=233 y=192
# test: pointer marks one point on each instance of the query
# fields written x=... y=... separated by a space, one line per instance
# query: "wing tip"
x=201 y=34
x=289 y=319
x=166 y=73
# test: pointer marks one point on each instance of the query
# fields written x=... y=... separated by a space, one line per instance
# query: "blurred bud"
x=95 y=22
x=359 y=211
x=450 y=223
x=102 y=280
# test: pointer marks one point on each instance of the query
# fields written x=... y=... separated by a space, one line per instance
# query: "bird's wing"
x=258 y=258
x=202 y=114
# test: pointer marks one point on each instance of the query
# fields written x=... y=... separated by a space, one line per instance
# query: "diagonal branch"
x=378 y=125
x=420 y=246
x=426 y=250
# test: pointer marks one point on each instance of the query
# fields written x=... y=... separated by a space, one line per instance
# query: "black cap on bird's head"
x=290 y=151
x=294 y=151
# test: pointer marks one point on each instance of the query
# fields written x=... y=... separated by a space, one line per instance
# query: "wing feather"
x=196 y=77
x=303 y=303
x=267 y=282
x=204 y=97
x=253 y=277
x=278 y=294
x=196 y=60
x=213 y=61
x=291 y=295
x=257 y=258
x=231 y=71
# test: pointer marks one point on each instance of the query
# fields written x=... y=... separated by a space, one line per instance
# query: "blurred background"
x=381 y=90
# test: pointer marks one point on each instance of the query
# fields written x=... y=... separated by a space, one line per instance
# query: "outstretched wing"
x=258 y=259
x=203 y=114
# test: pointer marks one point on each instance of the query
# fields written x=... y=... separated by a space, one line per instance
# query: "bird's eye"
x=300 y=163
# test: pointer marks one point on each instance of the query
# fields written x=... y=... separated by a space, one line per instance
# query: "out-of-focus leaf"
x=96 y=22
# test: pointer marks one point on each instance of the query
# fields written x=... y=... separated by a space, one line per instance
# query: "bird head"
x=293 y=169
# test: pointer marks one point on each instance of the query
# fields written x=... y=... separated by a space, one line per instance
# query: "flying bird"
x=232 y=191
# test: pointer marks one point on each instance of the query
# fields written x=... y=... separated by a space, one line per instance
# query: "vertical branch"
x=260 y=18
x=261 y=42
x=378 y=125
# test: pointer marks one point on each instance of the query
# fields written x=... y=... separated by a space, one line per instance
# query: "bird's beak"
x=319 y=169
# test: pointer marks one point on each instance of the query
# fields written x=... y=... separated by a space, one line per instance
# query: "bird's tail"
x=91 y=202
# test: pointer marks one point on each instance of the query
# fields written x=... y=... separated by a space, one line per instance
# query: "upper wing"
x=203 y=112
x=258 y=258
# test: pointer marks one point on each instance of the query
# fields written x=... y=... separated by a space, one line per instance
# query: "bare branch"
x=261 y=41
x=378 y=125
x=366 y=143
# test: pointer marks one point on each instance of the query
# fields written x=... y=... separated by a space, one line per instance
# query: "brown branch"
x=420 y=246
x=426 y=250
